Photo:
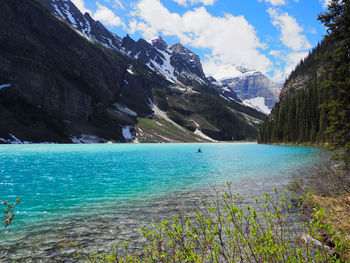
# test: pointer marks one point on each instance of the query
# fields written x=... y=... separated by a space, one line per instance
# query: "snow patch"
x=226 y=89
x=127 y=134
x=234 y=71
x=258 y=103
x=83 y=35
x=158 y=112
x=87 y=139
x=58 y=11
x=166 y=69
x=222 y=96
x=125 y=110
x=151 y=104
x=204 y=136
x=13 y=140
x=130 y=71
x=4 y=86
x=137 y=55
x=70 y=17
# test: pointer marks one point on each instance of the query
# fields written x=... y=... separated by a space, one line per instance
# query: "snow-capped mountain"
x=82 y=23
x=232 y=71
x=250 y=85
x=176 y=63
x=111 y=91
x=186 y=62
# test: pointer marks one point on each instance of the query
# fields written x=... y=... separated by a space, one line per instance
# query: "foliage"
x=226 y=229
x=9 y=213
x=329 y=184
x=321 y=111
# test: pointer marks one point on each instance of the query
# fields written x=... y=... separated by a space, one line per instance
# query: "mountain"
x=83 y=23
x=176 y=63
x=250 y=85
x=66 y=78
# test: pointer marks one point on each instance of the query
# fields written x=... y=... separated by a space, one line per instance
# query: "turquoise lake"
x=99 y=193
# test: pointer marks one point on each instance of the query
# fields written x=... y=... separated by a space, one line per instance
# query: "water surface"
x=99 y=193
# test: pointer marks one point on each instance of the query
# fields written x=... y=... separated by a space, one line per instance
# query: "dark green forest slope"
x=315 y=101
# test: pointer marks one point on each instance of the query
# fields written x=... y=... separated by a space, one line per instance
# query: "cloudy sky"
x=269 y=35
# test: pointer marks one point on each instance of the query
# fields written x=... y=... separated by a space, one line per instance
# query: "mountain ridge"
x=250 y=85
x=94 y=91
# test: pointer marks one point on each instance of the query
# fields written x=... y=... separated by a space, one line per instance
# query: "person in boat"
x=199 y=150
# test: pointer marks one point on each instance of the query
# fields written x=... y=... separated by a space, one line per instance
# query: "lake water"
x=97 y=194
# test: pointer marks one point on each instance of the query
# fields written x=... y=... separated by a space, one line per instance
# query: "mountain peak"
x=179 y=48
x=234 y=71
x=159 y=43
x=66 y=11
x=187 y=54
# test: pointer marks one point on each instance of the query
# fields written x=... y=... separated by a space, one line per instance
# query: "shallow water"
x=100 y=193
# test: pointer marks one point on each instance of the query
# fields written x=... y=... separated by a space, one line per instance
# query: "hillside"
x=314 y=102
x=66 y=78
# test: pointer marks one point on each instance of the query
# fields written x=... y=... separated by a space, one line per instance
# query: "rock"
x=291 y=88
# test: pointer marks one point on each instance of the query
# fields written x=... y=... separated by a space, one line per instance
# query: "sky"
x=268 y=35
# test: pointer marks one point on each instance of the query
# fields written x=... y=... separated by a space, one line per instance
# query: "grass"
x=160 y=130
x=338 y=213
x=328 y=186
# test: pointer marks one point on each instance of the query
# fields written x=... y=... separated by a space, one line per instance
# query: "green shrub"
x=227 y=230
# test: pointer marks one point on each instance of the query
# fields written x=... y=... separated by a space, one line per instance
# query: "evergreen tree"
x=336 y=76
x=321 y=111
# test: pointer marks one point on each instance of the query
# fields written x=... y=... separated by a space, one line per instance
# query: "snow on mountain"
x=232 y=71
x=165 y=68
x=258 y=103
x=176 y=63
x=159 y=43
x=128 y=133
x=82 y=23
x=250 y=85
x=5 y=86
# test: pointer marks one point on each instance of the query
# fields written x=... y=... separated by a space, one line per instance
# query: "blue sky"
x=269 y=35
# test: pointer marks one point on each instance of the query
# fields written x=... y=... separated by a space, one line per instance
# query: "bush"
x=9 y=213
x=225 y=229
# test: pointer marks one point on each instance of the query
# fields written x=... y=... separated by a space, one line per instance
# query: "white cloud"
x=106 y=16
x=291 y=31
x=230 y=39
x=118 y=4
x=325 y=3
x=186 y=2
x=290 y=60
x=275 y=2
x=81 y=6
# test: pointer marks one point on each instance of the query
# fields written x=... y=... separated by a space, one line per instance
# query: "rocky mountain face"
x=293 y=86
x=65 y=78
x=251 y=86
x=72 y=81
x=176 y=63
x=83 y=23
